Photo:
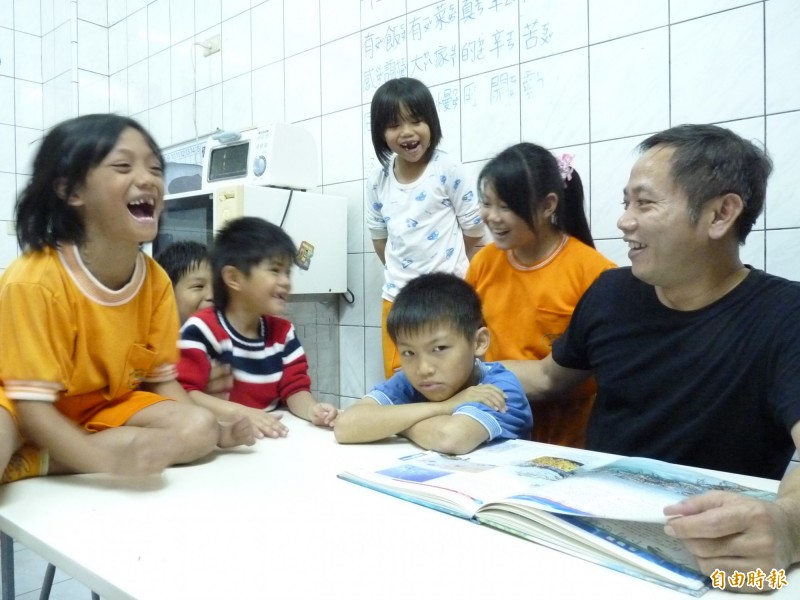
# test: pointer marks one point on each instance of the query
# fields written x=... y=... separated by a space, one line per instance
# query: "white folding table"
x=274 y=521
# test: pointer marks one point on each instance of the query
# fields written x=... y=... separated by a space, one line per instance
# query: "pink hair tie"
x=565 y=166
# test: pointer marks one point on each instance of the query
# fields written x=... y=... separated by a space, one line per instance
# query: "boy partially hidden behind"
x=443 y=398
x=189 y=268
x=251 y=261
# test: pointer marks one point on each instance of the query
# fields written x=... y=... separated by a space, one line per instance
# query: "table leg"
x=47 y=584
x=7 y=560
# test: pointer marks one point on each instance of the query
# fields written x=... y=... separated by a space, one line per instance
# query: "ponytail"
x=570 y=216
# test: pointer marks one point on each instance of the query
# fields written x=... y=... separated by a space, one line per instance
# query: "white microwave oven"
x=316 y=223
x=278 y=154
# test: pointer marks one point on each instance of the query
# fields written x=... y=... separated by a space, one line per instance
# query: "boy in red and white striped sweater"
x=251 y=261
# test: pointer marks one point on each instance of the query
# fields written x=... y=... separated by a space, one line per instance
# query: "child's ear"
x=60 y=187
x=482 y=338
x=232 y=277
x=549 y=205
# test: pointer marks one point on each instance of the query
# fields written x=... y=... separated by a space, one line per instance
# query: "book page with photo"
x=601 y=508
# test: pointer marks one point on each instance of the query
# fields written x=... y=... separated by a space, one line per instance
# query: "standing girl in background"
x=421 y=210
x=91 y=319
x=531 y=277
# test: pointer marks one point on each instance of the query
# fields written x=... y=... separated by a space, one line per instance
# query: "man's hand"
x=732 y=532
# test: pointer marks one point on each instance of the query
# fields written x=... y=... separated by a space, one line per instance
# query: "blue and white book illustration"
x=603 y=509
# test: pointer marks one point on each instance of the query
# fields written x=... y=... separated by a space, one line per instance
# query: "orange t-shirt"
x=526 y=307
x=79 y=344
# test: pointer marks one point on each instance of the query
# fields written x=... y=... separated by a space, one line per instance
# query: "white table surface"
x=274 y=521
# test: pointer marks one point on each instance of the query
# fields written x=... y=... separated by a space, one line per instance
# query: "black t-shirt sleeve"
x=570 y=349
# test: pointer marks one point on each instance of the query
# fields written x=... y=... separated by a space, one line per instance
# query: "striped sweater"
x=266 y=370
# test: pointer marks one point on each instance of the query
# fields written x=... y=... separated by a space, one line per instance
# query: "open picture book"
x=608 y=511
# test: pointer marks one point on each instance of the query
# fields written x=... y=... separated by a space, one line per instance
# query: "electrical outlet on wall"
x=211 y=45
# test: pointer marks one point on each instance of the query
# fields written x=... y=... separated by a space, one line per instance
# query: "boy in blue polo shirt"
x=443 y=398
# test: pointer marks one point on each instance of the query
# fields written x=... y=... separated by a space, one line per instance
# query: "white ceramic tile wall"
x=716 y=76
x=137 y=36
x=237 y=107
x=181 y=20
x=6 y=52
x=8 y=193
x=341 y=150
x=62 y=40
x=338 y=18
x=48 y=55
x=62 y=10
x=302 y=81
x=782 y=48
x=231 y=8
x=604 y=16
x=630 y=76
x=117 y=11
x=569 y=74
x=682 y=10
x=236 y=60
x=7 y=15
x=28 y=104
x=94 y=11
x=340 y=70
x=783 y=132
x=93 y=49
x=159 y=80
x=207 y=13
x=27 y=53
x=94 y=93
x=268 y=87
x=301 y=26
x=27 y=16
x=267 y=33
x=783 y=248
x=158 y=30
x=545 y=93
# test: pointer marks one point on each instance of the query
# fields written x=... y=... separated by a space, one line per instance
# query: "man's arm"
x=731 y=532
x=543 y=378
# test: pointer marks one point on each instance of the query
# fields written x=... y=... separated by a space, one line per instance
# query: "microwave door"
x=186 y=217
